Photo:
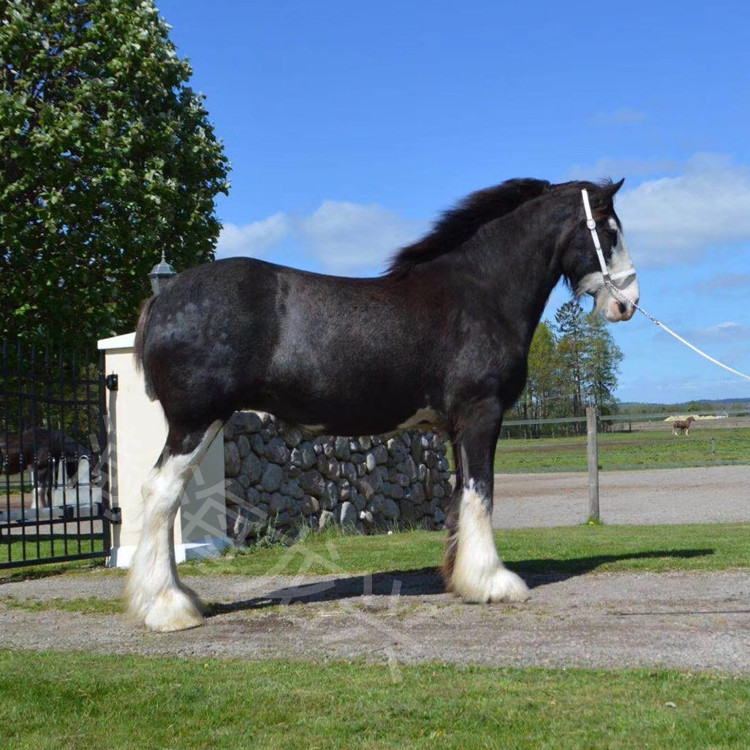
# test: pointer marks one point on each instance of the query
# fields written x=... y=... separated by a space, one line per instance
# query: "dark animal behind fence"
x=42 y=451
x=440 y=340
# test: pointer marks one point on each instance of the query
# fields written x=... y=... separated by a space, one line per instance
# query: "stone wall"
x=276 y=481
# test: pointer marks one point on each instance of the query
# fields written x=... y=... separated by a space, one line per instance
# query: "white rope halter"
x=609 y=283
x=591 y=224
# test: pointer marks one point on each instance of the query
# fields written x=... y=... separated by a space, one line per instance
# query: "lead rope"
x=616 y=292
x=607 y=281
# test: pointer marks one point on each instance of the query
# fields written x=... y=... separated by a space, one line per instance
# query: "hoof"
x=173 y=610
x=498 y=585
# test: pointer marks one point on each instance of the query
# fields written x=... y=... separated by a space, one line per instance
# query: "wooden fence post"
x=592 y=456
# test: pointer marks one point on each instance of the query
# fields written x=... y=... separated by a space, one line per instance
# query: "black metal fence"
x=54 y=502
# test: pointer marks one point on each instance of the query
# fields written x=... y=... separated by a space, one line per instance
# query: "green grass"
x=577 y=549
x=47 y=546
x=627 y=450
x=77 y=701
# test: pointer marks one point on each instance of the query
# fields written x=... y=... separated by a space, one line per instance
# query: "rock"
x=295 y=490
x=293 y=437
x=312 y=483
x=272 y=478
x=258 y=444
x=380 y=452
x=310 y=505
x=276 y=451
x=326 y=519
x=252 y=468
x=365 y=442
x=438 y=516
x=417 y=448
x=348 y=518
x=377 y=503
x=330 y=496
x=246 y=422
x=408 y=512
x=370 y=462
x=308 y=456
x=278 y=503
x=417 y=494
x=332 y=469
x=428 y=485
x=234 y=491
x=391 y=509
x=357 y=500
x=349 y=472
x=410 y=469
x=366 y=487
x=243 y=444
x=232 y=463
x=341 y=448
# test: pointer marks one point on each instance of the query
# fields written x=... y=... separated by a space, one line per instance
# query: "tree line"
x=573 y=363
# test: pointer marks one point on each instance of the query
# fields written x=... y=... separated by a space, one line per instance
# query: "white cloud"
x=345 y=237
x=678 y=219
x=342 y=237
x=252 y=240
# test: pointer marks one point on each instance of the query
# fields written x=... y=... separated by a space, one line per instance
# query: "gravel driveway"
x=696 y=621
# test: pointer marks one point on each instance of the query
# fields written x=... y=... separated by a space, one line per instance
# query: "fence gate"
x=53 y=483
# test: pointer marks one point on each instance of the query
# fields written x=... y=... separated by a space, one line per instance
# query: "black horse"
x=440 y=340
x=42 y=451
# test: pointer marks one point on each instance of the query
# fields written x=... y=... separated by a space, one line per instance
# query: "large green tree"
x=107 y=157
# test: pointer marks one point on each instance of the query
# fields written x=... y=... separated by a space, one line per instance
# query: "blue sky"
x=350 y=126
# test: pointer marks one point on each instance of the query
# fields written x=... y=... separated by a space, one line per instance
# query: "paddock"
x=713 y=494
x=593 y=617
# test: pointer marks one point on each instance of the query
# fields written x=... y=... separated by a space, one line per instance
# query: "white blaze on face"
x=619 y=305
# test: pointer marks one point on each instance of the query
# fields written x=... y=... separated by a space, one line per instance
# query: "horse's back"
x=243 y=333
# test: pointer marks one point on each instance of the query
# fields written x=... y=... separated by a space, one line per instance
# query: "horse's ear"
x=614 y=187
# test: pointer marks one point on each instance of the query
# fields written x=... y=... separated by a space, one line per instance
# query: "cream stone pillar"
x=136 y=434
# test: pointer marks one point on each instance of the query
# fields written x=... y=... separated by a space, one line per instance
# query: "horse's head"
x=597 y=261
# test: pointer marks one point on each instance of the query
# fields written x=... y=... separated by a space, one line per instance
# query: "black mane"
x=462 y=222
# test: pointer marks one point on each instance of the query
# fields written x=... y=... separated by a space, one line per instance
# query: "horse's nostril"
x=622 y=307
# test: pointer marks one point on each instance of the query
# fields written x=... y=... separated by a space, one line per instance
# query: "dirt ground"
x=690 y=621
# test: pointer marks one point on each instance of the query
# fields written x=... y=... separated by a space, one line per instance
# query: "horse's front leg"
x=153 y=592
x=477 y=574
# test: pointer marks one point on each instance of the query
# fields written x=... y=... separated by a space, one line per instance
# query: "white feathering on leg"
x=153 y=591
x=478 y=573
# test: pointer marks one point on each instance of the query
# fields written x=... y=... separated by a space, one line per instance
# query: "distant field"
x=650 y=448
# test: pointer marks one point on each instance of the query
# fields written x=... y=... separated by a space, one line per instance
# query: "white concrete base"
x=121 y=557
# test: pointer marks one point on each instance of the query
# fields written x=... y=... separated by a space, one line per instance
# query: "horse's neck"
x=519 y=269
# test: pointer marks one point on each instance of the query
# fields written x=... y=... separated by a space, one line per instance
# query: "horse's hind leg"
x=476 y=572
x=154 y=593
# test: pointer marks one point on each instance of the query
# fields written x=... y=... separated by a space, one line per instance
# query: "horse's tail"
x=140 y=342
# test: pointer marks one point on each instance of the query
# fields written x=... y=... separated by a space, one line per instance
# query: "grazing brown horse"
x=682 y=426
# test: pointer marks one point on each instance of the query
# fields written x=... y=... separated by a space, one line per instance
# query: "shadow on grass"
x=428 y=581
x=541 y=572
